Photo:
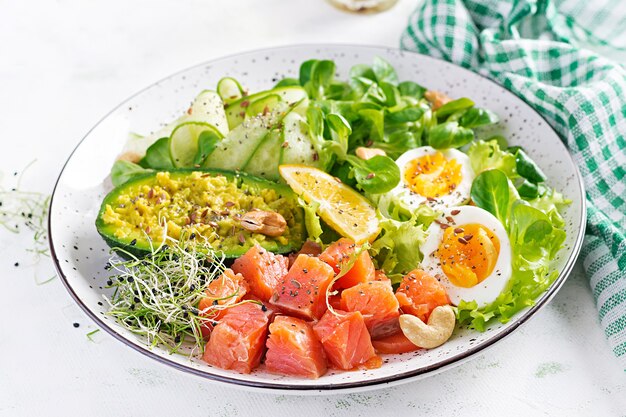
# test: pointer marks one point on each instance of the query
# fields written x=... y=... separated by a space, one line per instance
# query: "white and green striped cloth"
x=554 y=55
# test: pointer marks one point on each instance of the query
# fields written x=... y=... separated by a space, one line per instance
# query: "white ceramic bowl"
x=80 y=254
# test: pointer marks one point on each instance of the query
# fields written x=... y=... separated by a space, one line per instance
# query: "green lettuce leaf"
x=396 y=250
x=535 y=240
x=486 y=155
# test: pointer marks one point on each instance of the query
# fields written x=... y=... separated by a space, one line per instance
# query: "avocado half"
x=203 y=205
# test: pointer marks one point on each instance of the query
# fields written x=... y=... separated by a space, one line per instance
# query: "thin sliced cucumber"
x=236 y=111
x=265 y=160
x=236 y=149
x=229 y=89
x=263 y=105
x=297 y=147
x=208 y=107
x=184 y=142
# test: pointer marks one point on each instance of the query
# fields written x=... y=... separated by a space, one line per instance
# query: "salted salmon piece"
x=222 y=292
x=302 y=292
x=293 y=349
x=396 y=343
x=377 y=303
x=379 y=275
x=335 y=301
x=238 y=340
x=262 y=269
x=339 y=253
x=345 y=339
x=310 y=248
x=419 y=293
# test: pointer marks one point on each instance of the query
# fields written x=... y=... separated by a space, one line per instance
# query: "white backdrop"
x=63 y=65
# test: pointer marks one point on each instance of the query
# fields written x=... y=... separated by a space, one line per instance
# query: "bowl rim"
x=324 y=387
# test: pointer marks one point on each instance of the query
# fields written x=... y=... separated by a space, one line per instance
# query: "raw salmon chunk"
x=293 y=349
x=226 y=290
x=396 y=343
x=419 y=293
x=377 y=303
x=310 y=248
x=345 y=339
x=302 y=292
x=262 y=270
x=238 y=340
x=339 y=253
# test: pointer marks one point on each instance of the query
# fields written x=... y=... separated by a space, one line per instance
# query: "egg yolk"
x=468 y=254
x=432 y=175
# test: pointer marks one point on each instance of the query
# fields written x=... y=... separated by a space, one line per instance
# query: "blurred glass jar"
x=363 y=6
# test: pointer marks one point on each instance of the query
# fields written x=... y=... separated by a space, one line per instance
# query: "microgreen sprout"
x=26 y=209
x=157 y=296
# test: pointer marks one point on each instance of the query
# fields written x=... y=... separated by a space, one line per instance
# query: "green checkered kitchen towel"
x=553 y=54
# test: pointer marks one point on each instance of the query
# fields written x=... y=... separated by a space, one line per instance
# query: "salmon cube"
x=238 y=340
x=340 y=253
x=396 y=343
x=310 y=248
x=262 y=269
x=345 y=339
x=419 y=293
x=222 y=292
x=302 y=292
x=293 y=349
x=377 y=303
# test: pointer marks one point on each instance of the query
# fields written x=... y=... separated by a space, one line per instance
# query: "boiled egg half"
x=438 y=178
x=469 y=251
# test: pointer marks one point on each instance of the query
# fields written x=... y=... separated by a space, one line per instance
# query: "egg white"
x=486 y=291
x=459 y=196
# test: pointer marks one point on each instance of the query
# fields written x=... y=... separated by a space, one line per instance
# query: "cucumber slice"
x=229 y=89
x=263 y=105
x=265 y=160
x=208 y=107
x=236 y=111
x=297 y=147
x=235 y=150
x=184 y=142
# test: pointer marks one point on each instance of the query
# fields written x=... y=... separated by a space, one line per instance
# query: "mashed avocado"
x=206 y=206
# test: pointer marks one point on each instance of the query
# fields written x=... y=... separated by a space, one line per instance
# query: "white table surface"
x=63 y=65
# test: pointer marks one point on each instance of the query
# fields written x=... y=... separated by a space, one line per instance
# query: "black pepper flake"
x=133 y=242
x=263 y=307
x=177 y=339
x=76 y=324
x=16 y=264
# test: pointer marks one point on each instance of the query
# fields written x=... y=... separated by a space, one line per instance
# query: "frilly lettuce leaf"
x=397 y=249
x=486 y=155
x=535 y=240
x=312 y=221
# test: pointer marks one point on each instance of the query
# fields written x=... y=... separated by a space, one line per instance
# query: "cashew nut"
x=436 y=98
x=438 y=330
x=368 y=153
x=268 y=223
x=129 y=156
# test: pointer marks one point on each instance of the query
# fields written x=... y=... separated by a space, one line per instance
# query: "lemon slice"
x=342 y=208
